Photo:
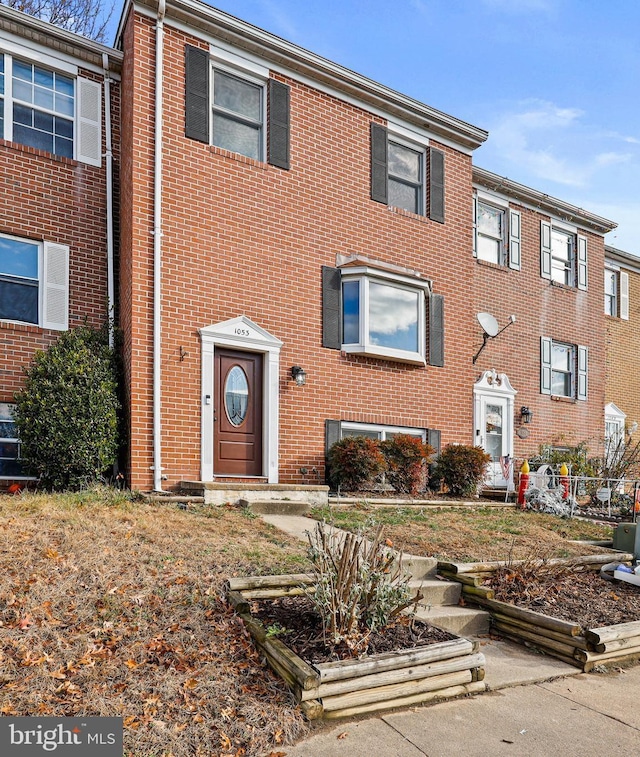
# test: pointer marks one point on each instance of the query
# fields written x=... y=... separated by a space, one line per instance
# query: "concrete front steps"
x=440 y=607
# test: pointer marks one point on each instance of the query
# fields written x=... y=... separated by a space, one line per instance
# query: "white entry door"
x=494 y=403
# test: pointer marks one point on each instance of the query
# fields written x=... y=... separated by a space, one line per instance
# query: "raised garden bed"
x=348 y=687
x=569 y=641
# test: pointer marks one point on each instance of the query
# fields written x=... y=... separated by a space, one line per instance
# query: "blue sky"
x=555 y=82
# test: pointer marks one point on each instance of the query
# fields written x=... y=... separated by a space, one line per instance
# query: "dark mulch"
x=577 y=596
x=299 y=626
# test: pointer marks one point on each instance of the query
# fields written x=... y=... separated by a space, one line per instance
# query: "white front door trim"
x=241 y=333
x=497 y=387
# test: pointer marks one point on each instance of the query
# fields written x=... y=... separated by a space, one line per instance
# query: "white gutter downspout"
x=109 y=177
x=157 y=255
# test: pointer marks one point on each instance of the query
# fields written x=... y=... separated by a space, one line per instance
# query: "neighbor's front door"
x=494 y=437
x=237 y=416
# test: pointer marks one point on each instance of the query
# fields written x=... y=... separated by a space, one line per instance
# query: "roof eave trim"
x=542 y=201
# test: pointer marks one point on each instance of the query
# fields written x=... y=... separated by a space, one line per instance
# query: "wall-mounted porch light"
x=526 y=415
x=298 y=375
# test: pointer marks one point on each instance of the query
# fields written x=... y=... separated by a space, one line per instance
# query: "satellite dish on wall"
x=488 y=323
x=491 y=329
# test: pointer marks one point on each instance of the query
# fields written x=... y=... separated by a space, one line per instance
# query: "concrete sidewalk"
x=586 y=715
x=536 y=706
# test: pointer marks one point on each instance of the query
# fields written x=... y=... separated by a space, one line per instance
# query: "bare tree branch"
x=87 y=17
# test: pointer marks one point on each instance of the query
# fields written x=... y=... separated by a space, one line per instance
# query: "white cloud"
x=553 y=143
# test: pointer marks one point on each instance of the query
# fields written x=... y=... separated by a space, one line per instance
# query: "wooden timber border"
x=583 y=648
x=352 y=687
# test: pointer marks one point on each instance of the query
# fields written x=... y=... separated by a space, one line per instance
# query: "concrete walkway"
x=560 y=711
x=588 y=715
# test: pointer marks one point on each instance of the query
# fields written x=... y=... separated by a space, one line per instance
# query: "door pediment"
x=240 y=331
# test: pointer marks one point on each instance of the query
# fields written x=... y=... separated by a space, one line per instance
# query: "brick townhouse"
x=622 y=319
x=304 y=256
x=541 y=260
x=59 y=118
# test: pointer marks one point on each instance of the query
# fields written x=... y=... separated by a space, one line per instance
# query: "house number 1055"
x=242 y=332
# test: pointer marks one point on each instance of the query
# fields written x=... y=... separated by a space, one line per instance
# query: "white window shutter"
x=545 y=249
x=55 y=287
x=582 y=262
x=514 y=239
x=89 y=110
x=545 y=365
x=582 y=372
x=624 y=295
x=475 y=227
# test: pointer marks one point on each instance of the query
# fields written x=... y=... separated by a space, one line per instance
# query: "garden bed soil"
x=296 y=623
x=582 y=597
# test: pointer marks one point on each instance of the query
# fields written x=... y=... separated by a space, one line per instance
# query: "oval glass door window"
x=236 y=395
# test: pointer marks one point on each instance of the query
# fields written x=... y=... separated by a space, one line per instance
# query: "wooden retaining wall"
x=352 y=687
x=558 y=638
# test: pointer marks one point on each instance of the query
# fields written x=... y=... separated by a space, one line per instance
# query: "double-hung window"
x=496 y=237
x=407 y=174
x=616 y=293
x=406 y=177
x=50 y=108
x=563 y=255
x=383 y=317
x=563 y=369
x=237 y=114
x=34 y=282
x=232 y=103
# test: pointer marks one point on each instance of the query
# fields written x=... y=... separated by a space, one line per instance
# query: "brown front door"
x=237 y=421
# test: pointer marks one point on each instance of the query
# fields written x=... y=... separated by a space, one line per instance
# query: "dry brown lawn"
x=114 y=607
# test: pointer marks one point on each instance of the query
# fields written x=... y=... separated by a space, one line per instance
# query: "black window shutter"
x=196 y=94
x=436 y=185
x=278 y=131
x=379 y=176
x=331 y=308
x=433 y=439
x=331 y=434
x=436 y=330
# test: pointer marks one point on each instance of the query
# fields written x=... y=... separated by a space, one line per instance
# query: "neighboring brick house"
x=622 y=318
x=541 y=260
x=281 y=212
x=54 y=244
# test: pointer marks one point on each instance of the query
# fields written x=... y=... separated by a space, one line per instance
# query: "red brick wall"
x=245 y=238
x=45 y=197
x=541 y=308
x=623 y=348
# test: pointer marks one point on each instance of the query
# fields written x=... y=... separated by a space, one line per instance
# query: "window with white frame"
x=610 y=292
x=34 y=282
x=238 y=107
x=563 y=255
x=380 y=432
x=406 y=176
x=563 y=369
x=496 y=231
x=614 y=432
x=50 y=109
x=383 y=315
x=10 y=465
x=616 y=293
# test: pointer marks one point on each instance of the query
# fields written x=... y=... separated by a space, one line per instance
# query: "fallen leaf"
x=342 y=735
